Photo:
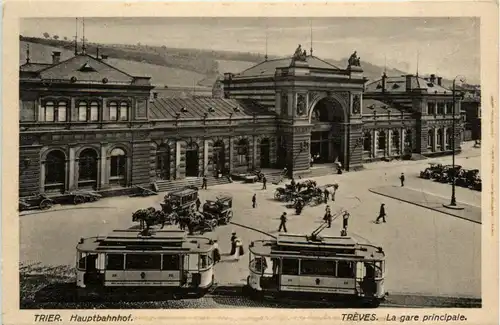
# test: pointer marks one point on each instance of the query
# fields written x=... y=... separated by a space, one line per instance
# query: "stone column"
x=389 y=142
x=42 y=177
x=374 y=143
x=402 y=141
x=435 y=139
x=104 y=166
x=72 y=175
x=231 y=154
x=254 y=152
x=444 y=139
x=177 y=159
x=205 y=157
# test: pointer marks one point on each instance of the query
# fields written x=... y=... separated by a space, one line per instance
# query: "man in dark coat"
x=345 y=220
x=283 y=222
x=233 y=243
x=381 y=214
x=254 y=201
x=204 y=183
x=402 y=179
x=264 y=182
x=198 y=204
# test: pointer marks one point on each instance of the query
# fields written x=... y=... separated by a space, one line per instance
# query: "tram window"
x=317 y=267
x=82 y=257
x=345 y=269
x=378 y=269
x=203 y=261
x=143 y=262
x=171 y=262
x=290 y=267
x=114 y=261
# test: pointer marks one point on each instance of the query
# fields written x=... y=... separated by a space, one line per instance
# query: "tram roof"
x=297 y=246
x=130 y=240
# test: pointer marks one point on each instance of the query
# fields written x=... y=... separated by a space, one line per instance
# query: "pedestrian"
x=233 y=244
x=402 y=179
x=198 y=204
x=345 y=220
x=264 y=182
x=216 y=251
x=283 y=222
x=254 y=201
x=292 y=184
x=204 y=183
x=381 y=214
x=239 y=248
x=335 y=187
x=326 y=194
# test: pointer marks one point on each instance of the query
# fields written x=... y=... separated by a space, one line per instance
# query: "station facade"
x=86 y=125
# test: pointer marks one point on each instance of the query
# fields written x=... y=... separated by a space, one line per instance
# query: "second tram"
x=166 y=260
x=345 y=268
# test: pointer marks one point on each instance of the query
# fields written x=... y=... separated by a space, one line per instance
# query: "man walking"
x=326 y=194
x=402 y=179
x=198 y=204
x=204 y=183
x=345 y=221
x=381 y=214
x=254 y=201
x=264 y=182
x=283 y=222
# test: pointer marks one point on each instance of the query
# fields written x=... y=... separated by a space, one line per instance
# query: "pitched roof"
x=398 y=85
x=34 y=67
x=372 y=105
x=268 y=68
x=167 y=108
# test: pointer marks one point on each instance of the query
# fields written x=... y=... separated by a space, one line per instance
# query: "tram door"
x=191 y=262
x=365 y=278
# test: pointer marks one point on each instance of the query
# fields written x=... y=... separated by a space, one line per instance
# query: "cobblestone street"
x=428 y=252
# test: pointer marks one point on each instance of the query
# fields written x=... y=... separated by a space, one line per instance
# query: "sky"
x=444 y=46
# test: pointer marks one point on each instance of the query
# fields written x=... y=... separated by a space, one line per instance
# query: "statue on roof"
x=299 y=55
x=354 y=60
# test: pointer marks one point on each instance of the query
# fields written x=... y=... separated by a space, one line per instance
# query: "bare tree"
x=46 y=35
x=56 y=37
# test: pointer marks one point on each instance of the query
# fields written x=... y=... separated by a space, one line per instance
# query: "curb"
x=423 y=206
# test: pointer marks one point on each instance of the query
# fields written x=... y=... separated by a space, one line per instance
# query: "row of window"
x=382 y=139
x=439 y=135
x=439 y=108
x=88 y=111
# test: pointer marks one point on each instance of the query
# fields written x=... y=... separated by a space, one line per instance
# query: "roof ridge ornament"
x=299 y=55
x=354 y=60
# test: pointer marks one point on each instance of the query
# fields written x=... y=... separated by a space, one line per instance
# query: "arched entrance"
x=242 y=153
x=327 y=136
x=87 y=169
x=218 y=157
x=118 y=167
x=265 y=159
x=163 y=162
x=55 y=171
x=192 y=160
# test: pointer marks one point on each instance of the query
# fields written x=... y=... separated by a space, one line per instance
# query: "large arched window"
x=242 y=152
x=367 y=141
x=118 y=164
x=87 y=168
x=440 y=138
x=430 y=139
x=55 y=171
x=88 y=111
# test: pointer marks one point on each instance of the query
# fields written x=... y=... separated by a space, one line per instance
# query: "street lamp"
x=453 y=203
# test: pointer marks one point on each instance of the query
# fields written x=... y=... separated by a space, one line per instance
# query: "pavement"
x=428 y=252
x=433 y=202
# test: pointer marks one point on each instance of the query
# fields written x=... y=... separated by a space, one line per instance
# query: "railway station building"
x=85 y=124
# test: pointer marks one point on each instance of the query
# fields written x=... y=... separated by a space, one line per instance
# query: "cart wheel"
x=78 y=199
x=45 y=204
x=277 y=195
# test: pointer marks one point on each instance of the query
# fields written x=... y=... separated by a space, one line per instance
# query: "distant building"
x=471 y=110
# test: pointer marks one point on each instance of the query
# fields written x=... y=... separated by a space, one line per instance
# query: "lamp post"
x=453 y=202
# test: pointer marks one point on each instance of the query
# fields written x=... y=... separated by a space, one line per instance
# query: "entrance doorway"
x=218 y=158
x=265 y=161
x=55 y=171
x=163 y=162
x=192 y=160
x=320 y=147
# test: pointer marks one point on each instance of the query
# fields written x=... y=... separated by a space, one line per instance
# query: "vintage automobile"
x=184 y=199
x=201 y=222
x=477 y=185
x=467 y=178
x=221 y=209
x=431 y=171
x=446 y=175
x=284 y=194
x=35 y=201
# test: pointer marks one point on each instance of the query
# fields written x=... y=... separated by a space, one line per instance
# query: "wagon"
x=284 y=193
x=221 y=209
x=180 y=200
x=36 y=201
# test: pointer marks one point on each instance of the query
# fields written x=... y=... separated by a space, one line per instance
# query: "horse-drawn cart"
x=221 y=209
x=35 y=201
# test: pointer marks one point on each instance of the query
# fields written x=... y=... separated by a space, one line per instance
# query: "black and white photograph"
x=250 y=162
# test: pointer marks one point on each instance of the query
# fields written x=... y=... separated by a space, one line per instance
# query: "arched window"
x=87 y=168
x=113 y=111
x=118 y=162
x=82 y=112
x=449 y=138
x=124 y=111
x=62 y=111
x=94 y=111
x=381 y=140
x=48 y=114
x=430 y=139
x=395 y=139
x=367 y=141
x=440 y=138
x=55 y=171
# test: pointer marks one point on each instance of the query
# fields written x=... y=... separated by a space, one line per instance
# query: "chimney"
x=440 y=81
x=408 y=82
x=432 y=79
x=384 y=77
x=104 y=57
x=56 y=57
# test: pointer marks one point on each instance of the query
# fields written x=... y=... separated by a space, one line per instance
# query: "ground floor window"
x=87 y=168
x=367 y=141
x=118 y=162
x=55 y=171
x=381 y=140
x=242 y=152
x=430 y=139
x=395 y=140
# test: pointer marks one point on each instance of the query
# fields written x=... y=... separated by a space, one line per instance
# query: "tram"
x=165 y=261
x=314 y=267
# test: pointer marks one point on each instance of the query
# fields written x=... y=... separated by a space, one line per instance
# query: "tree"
x=65 y=38
x=46 y=35
x=55 y=37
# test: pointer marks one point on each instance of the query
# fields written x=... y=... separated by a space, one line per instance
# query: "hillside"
x=172 y=66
